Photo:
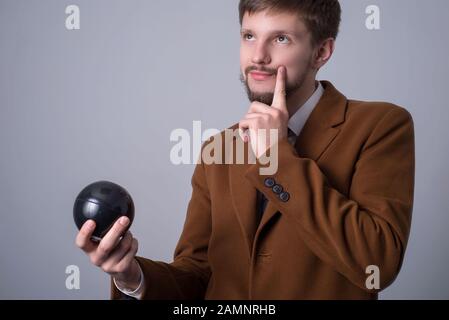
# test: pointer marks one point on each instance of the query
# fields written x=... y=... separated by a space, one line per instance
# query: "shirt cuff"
x=137 y=293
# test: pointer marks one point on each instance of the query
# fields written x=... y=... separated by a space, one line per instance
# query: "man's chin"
x=263 y=97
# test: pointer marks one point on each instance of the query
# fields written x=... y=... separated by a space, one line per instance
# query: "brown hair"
x=321 y=17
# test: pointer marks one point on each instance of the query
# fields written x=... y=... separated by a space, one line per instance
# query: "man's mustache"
x=262 y=69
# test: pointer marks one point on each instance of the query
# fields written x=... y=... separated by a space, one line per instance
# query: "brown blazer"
x=350 y=178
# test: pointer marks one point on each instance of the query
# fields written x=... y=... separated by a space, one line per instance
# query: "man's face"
x=269 y=41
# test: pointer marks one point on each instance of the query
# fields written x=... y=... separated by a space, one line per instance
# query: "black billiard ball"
x=104 y=202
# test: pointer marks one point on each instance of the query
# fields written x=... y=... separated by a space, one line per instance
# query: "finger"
x=279 y=99
x=255 y=115
x=129 y=257
x=111 y=239
x=252 y=132
x=243 y=128
x=246 y=124
x=118 y=253
x=122 y=248
x=260 y=108
x=83 y=240
x=245 y=135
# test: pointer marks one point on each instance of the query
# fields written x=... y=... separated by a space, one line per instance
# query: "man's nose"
x=261 y=55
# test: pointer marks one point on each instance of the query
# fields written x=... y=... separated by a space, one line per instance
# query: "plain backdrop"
x=100 y=103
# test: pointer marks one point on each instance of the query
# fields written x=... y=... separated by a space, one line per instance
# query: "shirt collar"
x=298 y=120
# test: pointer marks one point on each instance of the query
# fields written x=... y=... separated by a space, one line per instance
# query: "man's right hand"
x=113 y=255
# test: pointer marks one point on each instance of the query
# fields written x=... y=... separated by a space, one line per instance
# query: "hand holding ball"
x=104 y=202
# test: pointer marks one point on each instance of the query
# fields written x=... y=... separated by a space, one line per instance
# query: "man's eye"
x=248 y=36
x=282 y=39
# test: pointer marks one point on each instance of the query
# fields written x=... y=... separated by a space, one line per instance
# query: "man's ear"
x=323 y=53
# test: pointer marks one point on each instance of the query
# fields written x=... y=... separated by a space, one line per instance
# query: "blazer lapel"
x=321 y=127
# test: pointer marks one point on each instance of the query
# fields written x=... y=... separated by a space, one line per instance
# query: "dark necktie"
x=261 y=199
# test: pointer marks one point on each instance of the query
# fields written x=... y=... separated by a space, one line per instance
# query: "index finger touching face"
x=279 y=99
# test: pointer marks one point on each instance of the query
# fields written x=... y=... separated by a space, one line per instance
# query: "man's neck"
x=298 y=98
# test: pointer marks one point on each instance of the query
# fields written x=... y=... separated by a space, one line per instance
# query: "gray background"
x=100 y=103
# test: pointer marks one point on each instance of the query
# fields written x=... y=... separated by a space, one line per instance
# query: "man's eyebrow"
x=296 y=34
x=245 y=31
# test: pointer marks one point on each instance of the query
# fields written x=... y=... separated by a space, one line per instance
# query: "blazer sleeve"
x=188 y=275
x=371 y=225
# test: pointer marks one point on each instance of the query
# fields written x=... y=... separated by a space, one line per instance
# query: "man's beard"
x=267 y=97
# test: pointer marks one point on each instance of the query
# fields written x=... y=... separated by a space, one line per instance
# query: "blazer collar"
x=317 y=134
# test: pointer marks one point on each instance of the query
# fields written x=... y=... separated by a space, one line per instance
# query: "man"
x=338 y=205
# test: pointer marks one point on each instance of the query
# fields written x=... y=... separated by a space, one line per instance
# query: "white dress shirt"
x=298 y=120
x=295 y=124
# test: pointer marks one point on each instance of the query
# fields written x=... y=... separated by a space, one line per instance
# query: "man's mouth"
x=260 y=76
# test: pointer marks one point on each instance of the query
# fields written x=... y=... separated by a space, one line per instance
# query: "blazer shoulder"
x=375 y=110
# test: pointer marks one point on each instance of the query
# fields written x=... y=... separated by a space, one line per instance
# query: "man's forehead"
x=272 y=21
